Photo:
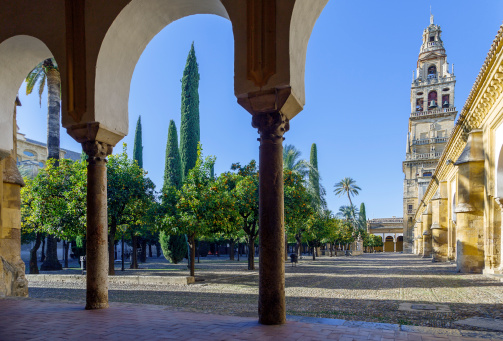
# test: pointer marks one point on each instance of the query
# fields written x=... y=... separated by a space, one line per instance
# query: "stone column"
x=427 y=232
x=97 y=224
x=499 y=201
x=469 y=210
x=419 y=237
x=271 y=127
x=439 y=212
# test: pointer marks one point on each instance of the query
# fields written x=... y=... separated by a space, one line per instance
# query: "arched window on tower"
x=445 y=101
x=432 y=100
x=432 y=72
x=419 y=104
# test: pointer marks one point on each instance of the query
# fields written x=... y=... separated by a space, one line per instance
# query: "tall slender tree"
x=173 y=166
x=174 y=246
x=138 y=157
x=314 y=178
x=189 y=129
x=138 y=147
x=363 y=216
x=47 y=72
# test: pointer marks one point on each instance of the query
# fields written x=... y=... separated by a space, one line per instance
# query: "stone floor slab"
x=481 y=322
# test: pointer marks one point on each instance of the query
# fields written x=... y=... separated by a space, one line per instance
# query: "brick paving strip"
x=31 y=319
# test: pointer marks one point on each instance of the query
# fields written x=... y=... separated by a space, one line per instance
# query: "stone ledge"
x=155 y=280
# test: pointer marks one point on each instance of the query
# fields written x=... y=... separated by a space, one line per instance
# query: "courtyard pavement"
x=380 y=289
x=28 y=319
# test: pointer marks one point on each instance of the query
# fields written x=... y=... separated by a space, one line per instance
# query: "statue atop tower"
x=431 y=121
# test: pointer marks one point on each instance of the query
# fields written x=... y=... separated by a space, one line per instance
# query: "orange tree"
x=245 y=194
x=129 y=192
x=54 y=202
x=318 y=229
x=298 y=208
x=195 y=209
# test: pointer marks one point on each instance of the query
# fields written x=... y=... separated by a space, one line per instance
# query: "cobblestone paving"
x=363 y=288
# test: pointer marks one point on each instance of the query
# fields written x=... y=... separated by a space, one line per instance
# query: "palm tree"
x=48 y=72
x=347 y=186
x=292 y=161
x=348 y=212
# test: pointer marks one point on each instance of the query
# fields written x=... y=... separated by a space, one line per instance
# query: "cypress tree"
x=189 y=129
x=173 y=166
x=314 y=177
x=138 y=157
x=138 y=148
x=363 y=216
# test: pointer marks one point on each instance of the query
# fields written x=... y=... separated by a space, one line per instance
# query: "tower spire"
x=431 y=17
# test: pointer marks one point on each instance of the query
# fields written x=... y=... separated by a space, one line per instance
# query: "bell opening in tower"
x=419 y=104
x=432 y=99
x=445 y=101
x=432 y=72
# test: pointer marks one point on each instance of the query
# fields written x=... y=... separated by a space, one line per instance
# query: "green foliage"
x=138 y=148
x=189 y=209
x=39 y=76
x=314 y=178
x=362 y=217
x=173 y=167
x=298 y=208
x=347 y=186
x=54 y=202
x=189 y=129
x=174 y=247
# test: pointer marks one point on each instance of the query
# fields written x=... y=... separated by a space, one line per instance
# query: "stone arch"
x=124 y=42
x=18 y=55
x=399 y=244
x=498 y=171
x=389 y=244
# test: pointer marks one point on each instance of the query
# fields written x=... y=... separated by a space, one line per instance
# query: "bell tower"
x=430 y=123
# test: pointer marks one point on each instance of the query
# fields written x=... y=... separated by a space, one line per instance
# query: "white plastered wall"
x=18 y=56
x=123 y=45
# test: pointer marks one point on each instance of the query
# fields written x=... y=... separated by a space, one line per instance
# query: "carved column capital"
x=96 y=150
x=271 y=125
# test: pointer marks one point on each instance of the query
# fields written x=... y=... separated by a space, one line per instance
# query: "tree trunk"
x=314 y=252
x=66 y=247
x=298 y=245
x=192 y=254
x=42 y=255
x=33 y=255
x=231 y=251
x=122 y=252
x=150 y=250
x=134 y=261
x=111 y=242
x=239 y=249
x=198 y=254
x=143 y=253
x=251 y=253
x=286 y=247
x=51 y=262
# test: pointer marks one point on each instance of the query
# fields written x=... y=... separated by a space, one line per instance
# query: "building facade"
x=459 y=218
x=430 y=123
x=32 y=155
x=391 y=232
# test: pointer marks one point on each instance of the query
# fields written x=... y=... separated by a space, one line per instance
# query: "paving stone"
x=481 y=322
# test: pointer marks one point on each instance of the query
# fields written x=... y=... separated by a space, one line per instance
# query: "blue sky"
x=359 y=66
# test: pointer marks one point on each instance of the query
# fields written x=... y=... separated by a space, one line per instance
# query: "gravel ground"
x=363 y=288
